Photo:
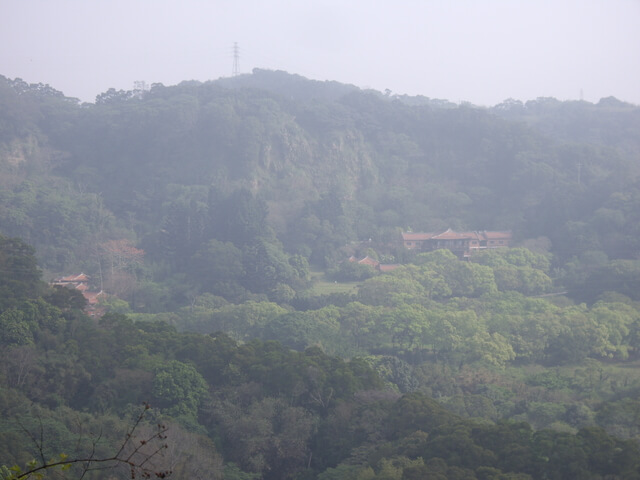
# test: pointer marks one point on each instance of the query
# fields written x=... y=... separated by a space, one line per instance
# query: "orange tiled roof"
x=388 y=267
x=92 y=297
x=74 y=278
x=451 y=235
x=416 y=236
x=369 y=261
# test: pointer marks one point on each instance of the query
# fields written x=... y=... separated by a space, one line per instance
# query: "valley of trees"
x=218 y=217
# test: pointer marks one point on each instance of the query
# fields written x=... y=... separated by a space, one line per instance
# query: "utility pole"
x=236 y=59
x=579 y=172
x=139 y=88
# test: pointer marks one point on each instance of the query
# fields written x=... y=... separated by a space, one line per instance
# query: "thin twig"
x=91 y=463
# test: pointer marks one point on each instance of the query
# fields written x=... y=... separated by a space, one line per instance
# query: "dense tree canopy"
x=208 y=213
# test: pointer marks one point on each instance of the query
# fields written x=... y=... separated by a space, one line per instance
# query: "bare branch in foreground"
x=135 y=453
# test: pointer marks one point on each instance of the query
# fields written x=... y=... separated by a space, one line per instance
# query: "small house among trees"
x=463 y=244
x=372 y=262
x=367 y=260
x=80 y=282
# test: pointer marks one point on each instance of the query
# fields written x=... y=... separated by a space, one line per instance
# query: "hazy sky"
x=482 y=51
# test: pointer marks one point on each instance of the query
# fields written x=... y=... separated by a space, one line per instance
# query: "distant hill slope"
x=564 y=170
x=289 y=86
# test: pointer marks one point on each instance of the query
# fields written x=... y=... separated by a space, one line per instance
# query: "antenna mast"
x=579 y=173
x=236 y=59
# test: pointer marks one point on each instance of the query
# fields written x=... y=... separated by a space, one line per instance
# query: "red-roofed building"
x=388 y=267
x=463 y=244
x=81 y=283
x=374 y=263
x=75 y=279
x=369 y=261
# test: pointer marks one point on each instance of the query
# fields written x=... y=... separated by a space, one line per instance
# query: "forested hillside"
x=72 y=386
x=325 y=164
x=216 y=220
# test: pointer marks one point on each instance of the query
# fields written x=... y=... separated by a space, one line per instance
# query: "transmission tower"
x=579 y=173
x=139 y=88
x=236 y=59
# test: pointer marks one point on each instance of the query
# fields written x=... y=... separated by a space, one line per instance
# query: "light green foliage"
x=397 y=373
x=492 y=348
x=179 y=389
x=468 y=280
x=407 y=325
x=360 y=324
x=618 y=320
x=449 y=332
x=444 y=275
x=243 y=322
x=517 y=269
x=518 y=257
x=434 y=283
x=114 y=304
x=351 y=272
x=437 y=257
x=282 y=293
x=342 y=472
x=388 y=471
x=299 y=330
x=389 y=290
x=579 y=336
x=233 y=472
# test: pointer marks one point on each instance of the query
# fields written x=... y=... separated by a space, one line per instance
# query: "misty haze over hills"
x=481 y=52
x=232 y=234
